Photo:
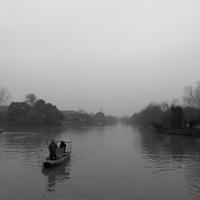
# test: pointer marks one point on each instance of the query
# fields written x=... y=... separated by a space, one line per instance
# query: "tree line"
x=174 y=115
x=88 y=119
x=31 y=111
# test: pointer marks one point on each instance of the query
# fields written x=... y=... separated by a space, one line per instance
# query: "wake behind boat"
x=58 y=156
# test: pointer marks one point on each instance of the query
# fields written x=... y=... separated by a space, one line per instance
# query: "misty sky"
x=110 y=55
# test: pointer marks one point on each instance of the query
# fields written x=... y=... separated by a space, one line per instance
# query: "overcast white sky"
x=114 y=55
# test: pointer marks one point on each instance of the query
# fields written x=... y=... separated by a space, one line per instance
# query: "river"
x=113 y=162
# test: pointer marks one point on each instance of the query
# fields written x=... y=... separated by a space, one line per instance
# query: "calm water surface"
x=116 y=162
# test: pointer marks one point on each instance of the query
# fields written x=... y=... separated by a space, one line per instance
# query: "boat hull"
x=54 y=163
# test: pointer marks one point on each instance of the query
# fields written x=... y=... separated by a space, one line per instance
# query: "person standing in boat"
x=63 y=145
x=52 y=150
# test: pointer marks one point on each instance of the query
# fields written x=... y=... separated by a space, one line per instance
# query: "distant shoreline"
x=16 y=128
x=177 y=131
x=183 y=131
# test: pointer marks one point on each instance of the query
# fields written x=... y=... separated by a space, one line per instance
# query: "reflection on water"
x=192 y=175
x=167 y=148
x=56 y=174
x=168 y=152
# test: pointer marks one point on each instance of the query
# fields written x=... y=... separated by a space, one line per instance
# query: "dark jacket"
x=52 y=147
x=62 y=145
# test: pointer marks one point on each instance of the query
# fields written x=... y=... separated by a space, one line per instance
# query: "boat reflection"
x=57 y=174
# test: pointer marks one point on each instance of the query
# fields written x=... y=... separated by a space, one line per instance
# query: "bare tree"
x=4 y=95
x=192 y=96
x=175 y=102
x=164 y=106
x=31 y=99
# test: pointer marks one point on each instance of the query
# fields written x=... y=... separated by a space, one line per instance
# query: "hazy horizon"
x=114 y=56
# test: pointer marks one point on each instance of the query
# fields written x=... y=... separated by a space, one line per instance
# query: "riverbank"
x=181 y=131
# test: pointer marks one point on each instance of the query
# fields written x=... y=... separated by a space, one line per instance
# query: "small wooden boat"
x=52 y=163
x=62 y=156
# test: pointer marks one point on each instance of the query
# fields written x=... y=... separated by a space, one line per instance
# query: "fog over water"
x=115 y=56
